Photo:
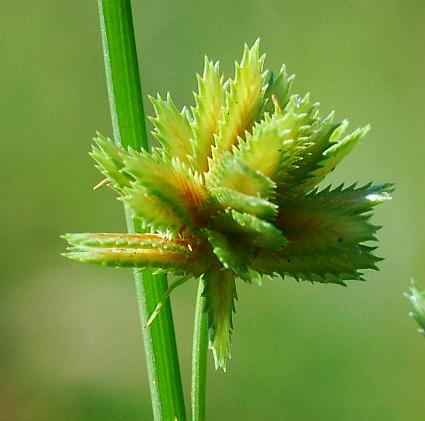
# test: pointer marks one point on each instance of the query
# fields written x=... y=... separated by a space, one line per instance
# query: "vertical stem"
x=128 y=121
x=199 y=357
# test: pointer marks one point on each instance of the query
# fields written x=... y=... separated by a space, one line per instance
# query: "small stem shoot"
x=199 y=357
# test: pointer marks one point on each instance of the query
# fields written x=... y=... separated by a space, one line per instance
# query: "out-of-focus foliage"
x=417 y=301
x=69 y=345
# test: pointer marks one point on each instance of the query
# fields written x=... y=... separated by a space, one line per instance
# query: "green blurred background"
x=70 y=347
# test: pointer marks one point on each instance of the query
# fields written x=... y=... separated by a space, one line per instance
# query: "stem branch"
x=199 y=357
x=128 y=121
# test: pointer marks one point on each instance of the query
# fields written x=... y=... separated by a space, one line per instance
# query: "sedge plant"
x=231 y=195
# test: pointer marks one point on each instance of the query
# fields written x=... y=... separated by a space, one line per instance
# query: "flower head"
x=232 y=192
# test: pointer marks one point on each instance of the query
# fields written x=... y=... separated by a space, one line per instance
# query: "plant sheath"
x=129 y=128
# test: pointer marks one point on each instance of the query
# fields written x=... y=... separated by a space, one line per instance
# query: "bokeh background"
x=70 y=347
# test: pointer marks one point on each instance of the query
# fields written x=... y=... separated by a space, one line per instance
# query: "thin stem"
x=128 y=121
x=199 y=357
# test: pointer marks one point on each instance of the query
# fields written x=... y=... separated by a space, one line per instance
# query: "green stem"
x=199 y=357
x=128 y=121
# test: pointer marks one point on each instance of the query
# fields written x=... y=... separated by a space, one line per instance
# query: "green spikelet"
x=244 y=99
x=172 y=128
x=209 y=102
x=231 y=199
x=131 y=241
x=128 y=250
x=231 y=256
x=220 y=294
x=152 y=211
x=339 y=150
x=109 y=158
x=278 y=90
x=170 y=182
x=264 y=148
x=233 y=193
x=252 y=231
x=326 y=232
x=232 y=173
